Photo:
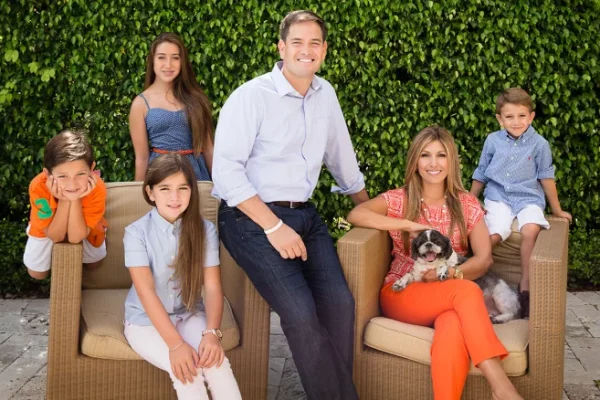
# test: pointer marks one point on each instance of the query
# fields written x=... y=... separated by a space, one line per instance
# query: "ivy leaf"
x=11 y=55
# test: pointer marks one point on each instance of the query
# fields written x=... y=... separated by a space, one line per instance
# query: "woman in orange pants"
x=433 y=197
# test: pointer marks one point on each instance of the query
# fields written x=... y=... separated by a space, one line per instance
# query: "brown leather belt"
x=289 y=204
x=182 y=152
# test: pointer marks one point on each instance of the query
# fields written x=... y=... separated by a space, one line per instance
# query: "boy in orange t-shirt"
x=68 y=200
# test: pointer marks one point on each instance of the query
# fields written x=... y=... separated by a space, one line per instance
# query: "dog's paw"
x=398 y=285
x=442 y=274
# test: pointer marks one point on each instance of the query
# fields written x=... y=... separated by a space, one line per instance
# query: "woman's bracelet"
x=273 y=229
x=176 y=347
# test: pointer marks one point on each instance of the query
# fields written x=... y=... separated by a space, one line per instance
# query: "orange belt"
x=182 y=152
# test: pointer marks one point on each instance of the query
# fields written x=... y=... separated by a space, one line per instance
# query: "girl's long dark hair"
x=189 y=264
x=187 y=91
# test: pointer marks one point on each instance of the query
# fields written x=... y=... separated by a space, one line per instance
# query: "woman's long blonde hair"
x=413 y=183
x=189 y=264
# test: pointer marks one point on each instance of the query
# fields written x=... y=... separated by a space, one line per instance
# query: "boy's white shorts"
x=38 y=253
x=499 y=217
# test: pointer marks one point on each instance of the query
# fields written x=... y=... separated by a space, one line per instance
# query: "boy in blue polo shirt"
x=516 y=170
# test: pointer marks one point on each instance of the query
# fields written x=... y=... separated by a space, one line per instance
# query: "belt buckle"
x=292 y=205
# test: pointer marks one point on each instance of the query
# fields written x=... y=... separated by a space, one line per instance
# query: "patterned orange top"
x=43 y=208
x=438 y=219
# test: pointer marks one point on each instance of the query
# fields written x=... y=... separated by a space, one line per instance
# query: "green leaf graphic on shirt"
x=44 y=211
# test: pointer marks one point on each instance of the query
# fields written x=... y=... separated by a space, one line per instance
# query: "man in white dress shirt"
x=273 y=136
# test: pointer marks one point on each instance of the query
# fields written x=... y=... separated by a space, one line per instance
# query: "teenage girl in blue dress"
x=172 y=114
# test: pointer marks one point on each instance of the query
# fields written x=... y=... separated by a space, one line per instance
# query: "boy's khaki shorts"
x=499 y=217
x=38 y=253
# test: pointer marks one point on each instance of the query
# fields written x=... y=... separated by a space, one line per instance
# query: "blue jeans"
x=311 y=297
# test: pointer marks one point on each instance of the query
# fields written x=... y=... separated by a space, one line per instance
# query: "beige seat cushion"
x=414 y=342
x=102 y=335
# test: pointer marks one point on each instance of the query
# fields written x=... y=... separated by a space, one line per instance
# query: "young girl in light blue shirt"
x=170 y=253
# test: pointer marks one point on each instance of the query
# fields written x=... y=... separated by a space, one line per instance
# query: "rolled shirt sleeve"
x=486 y=156
x=340 y=157
x=545 y=169
x=211 y=245
x=134 y=244
x=234 y=139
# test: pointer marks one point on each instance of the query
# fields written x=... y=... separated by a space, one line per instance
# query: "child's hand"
x=92 y=179
x=563 y=214
x=415 y=229
x=55 y=191
x=210 y=351
x=183 y=363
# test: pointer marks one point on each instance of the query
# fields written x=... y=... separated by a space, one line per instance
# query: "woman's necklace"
x=427 y=212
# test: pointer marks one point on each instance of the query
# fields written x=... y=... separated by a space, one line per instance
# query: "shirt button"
x=512 y=158
x=515 y=144
x=507 y=174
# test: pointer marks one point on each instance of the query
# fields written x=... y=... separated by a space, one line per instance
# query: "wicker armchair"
x=365 y=257
x=88 y=355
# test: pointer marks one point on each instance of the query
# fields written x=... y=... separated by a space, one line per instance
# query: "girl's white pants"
x=147 y=342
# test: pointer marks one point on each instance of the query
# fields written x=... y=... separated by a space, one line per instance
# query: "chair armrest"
x=249 y=308
x=365 y=255
x=548 y=284
x=65 y=300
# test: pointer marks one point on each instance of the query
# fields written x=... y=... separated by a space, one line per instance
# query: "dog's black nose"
x=428 y=245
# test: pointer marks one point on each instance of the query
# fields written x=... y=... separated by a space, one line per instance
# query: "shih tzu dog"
x=501 y=301
x=432 y=250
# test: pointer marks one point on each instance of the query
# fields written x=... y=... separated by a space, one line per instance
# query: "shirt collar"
x=283 y=86
x=162 y=223
x=530 y=131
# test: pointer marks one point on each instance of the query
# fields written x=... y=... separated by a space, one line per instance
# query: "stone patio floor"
x=24 y=345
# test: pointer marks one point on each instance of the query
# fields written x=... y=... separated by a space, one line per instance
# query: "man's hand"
x=288 y=243
x=563 y=214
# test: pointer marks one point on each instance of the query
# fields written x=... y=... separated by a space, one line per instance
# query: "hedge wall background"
x=397 y=67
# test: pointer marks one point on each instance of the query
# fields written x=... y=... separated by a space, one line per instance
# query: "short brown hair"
x=68 y=146
x=299 y=16
x=513 y=96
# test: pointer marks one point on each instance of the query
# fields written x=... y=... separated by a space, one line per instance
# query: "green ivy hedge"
x=397 y=67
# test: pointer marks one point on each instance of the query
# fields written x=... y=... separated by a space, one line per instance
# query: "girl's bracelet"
x=273 y=229
x=176 y=347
